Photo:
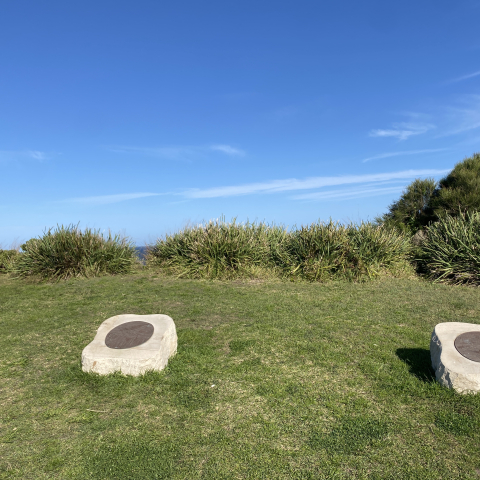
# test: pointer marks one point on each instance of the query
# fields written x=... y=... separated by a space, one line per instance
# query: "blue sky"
x=143 y=116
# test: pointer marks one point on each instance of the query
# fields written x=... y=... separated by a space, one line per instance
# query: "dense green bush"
x=374 y=249
x=450 y=249
x=69 y=252
x=324 y=251
x=7 y=260
x=317 y=252
x=219 y=250
x=459 y=191
x=425 y=201
x=412 y=210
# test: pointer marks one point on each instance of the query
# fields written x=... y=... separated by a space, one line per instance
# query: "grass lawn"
x=272 y=380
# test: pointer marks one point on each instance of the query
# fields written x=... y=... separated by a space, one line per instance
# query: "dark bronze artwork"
x=128 y=335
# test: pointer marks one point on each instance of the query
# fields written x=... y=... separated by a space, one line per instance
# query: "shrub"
x=374 y=249
x=68 y=252
x=7 y=260
x=459 y=191
x=218 y=250
x=411 y=211
x=317 y=252
x=425 y=201
x=450 y=249
x=329 y=250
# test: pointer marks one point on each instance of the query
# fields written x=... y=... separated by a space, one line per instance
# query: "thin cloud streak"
x=398 y=154
x=349 y=194
x=403 y=130
x=291 y=184
x=228 y=150
x=464 y=117
x=465 y=77
x=37 y=155
x=161 y=152
x=15 y=155
x=178 y=152
x=108 y=199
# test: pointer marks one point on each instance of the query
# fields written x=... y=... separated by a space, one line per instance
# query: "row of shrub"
x=447 y=250
x=316 y=252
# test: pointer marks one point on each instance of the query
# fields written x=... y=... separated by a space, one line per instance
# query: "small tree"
x=411 y=211
x=459 y=191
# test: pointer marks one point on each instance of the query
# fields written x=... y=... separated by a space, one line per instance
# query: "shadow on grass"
x=418 y=361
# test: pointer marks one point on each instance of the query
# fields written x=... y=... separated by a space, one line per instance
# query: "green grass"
x=287 y=380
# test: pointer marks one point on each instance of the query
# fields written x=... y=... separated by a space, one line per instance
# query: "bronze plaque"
x=468 y=345
x=128 y=335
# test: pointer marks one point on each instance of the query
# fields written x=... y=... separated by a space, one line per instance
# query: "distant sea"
x=142 y=251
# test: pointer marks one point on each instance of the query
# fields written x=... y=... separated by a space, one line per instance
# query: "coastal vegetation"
x=450 y=249
x=316 y=252
x=426 y=201
x=7 y=260
x=70 y=252
x=431 y=230
x=281 y=373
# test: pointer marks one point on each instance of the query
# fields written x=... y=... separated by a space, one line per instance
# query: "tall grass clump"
x=323 y=251
x=69 y=252
x=318 y=252
x=218 y=249
x=375 y=249
x=7 y=260
x=315 y=252
x=450 y=249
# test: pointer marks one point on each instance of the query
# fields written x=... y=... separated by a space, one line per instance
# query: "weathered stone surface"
x=151 y=355
x=451 y=368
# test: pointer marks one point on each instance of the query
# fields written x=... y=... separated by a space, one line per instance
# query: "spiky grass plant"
x=318 y=252
x=450 y=249
x=7 y=260
x=218 y=249
x=69 y=252
x=330 y=250
x=373 y=249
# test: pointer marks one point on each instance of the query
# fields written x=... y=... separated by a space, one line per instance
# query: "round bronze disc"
x=468 y=345
x=128 y=335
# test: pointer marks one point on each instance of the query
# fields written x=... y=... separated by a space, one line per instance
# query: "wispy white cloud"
x=6 y=155
x=460 y=116
x=178 y=152
x=401 y=154
x=172 y=153
x=348 y=194
x=292 y=184
x=107 y=199
x=464 y=77
x=403 y=130
x=228 y=150
x=37 y=155
x=464 y=117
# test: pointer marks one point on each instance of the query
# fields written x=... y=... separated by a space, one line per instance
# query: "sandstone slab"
x=152 y=353
x=452 y=369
